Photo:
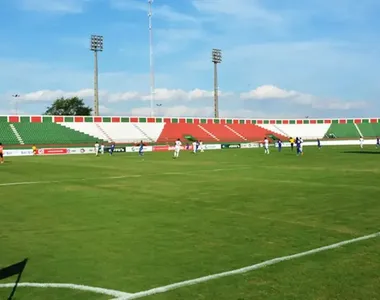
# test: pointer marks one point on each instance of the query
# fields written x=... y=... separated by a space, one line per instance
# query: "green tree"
x=68 y=107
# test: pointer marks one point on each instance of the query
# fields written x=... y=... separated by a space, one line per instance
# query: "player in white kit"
x=96 y=148
x=177 y=148
x=194 y=147
x=102 y=148
x=201 y=146
x=361 y=141
x=266 y=146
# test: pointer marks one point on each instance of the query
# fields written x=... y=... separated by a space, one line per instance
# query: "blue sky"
x=287 y=58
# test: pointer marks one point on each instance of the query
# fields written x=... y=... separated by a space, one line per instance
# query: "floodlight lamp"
x=96 y=43
x=216 y=56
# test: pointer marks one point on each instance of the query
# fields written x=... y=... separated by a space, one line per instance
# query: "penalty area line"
x=167 y=288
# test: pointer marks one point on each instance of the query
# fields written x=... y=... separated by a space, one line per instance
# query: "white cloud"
x=271 y=92
x=175 y=111
x=58 y=6
x=161 y=95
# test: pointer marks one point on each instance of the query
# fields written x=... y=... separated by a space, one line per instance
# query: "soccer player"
x=177 y=148
x=102 y=148
x=35 y=150
x=266 y=146
x=195 y=147
x=291 y=141
x=377 y=142
x=201 y=146
x=96 y=148
x=112 y=149
x=319 y=143
x=279 y=145
x=1 y=153
x=361 y=142
x=141 y=148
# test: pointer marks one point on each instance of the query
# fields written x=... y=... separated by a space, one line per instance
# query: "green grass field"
x=131 y=225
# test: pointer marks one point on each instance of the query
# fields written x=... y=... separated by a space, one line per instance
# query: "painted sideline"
x=164 y=289
x=71 y=286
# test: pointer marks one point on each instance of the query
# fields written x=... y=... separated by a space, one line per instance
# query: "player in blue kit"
x=378 y=142
x=279 y=145
x=319 y=143
x=141 y=148
x=112 y=149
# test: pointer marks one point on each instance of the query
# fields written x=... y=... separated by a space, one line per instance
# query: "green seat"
x=7 y=136
x=343 y=131
x=370 y=129
x=51 y=133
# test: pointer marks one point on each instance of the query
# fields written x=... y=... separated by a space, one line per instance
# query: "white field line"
x=164 y=289
x=123 y=176
x=71 y=286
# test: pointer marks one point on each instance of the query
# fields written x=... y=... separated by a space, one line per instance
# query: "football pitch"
x=125 y=228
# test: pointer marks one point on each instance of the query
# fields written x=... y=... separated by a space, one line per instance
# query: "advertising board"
x=136 y=149
x=212 y=146
x=250 y=145
x=18 y=152
x=231 y=146
x=53 y=151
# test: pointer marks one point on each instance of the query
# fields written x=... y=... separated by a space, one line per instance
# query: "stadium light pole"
x=151 y=62
x=15 y=96
x=96 y=46
x=216 y=59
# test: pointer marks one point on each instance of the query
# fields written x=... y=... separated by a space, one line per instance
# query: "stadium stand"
x=348 y=130
x=50 y=130
x=306 y=131
x=173 y=131
x=254 y=132
x=369 y=129
x=50 y=133
x=7 y=136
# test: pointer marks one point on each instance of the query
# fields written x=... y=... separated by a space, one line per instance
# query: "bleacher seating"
x=50 y=130
x=369 y=129
x=343 y=131
x=7 y=136
x=172 y=131
x=50 y=133
x=306 y=131
x=254 y=132
x=91 y=129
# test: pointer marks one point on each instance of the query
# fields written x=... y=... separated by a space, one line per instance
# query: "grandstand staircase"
x=105 y=133
x=357 y=128
x=208 y=132
x=280 y=131
x=143 y=133
x=18 y=136
x=235 y=132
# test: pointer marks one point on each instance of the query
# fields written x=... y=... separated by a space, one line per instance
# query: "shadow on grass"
x=362 y=152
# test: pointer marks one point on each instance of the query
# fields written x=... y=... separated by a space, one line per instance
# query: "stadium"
x=123 y=227
x=114 y=193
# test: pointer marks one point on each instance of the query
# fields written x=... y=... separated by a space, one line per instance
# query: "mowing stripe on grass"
x=71 y=286
x=164 y=289
x=122 y=176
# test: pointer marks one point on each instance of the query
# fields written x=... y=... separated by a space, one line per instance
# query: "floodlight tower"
x=96 y=46
x=216 y=59
x=15 y=96
x=151 y=62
